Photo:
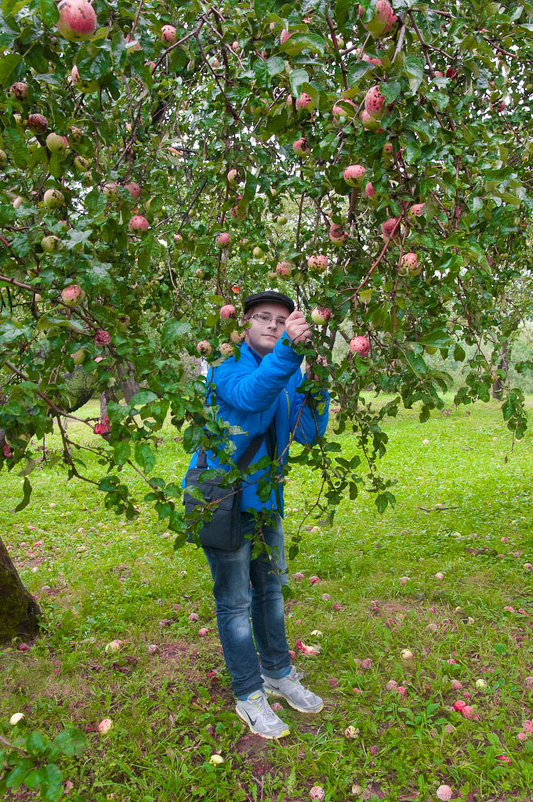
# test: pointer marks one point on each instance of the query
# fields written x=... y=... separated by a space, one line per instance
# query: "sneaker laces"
x=261 y=704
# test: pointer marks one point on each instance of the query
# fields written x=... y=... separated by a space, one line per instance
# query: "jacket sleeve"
x=310 y=423
x=256 y=390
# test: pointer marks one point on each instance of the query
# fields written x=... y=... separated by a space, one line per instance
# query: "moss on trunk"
x=19 y=612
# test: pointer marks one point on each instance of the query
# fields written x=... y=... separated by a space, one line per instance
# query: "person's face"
x=266 y=327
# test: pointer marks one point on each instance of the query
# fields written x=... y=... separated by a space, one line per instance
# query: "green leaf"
x=275 y=65
x=76 y=237
x=49 y=12
x=358 y=70
x=35 y=743
x=304 y=41
x=436 y=337
x=71 y=741
x=342 y=10
x=172 y=331
x=416 y=363
x=16 y=777
x=26 y=493
x=412 y=152
x=261 y=72
x=192 y=437
x=121 y=451
x=297 y=78
x=414 y=67
x=51 y=782
x=7 y=65
x=143 y=397
x=312 y=91
x=391 y=91
x=459 y=353
x=144 y=456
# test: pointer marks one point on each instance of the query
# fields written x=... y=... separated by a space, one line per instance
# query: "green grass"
x=99 y=578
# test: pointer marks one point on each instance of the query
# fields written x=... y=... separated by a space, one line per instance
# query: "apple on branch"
x=320 y=315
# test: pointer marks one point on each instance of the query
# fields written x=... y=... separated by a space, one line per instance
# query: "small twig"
x=399 y=43
x=336 y=48
x=381 y=255
x=12 y=746
x=229 y=107
x=137 y=17
x=45 y=398
x=20 y=285
x=437 y=509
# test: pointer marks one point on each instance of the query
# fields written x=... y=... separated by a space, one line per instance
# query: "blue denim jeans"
x=243 y=588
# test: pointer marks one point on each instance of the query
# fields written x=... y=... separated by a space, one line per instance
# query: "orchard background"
x=375 y=164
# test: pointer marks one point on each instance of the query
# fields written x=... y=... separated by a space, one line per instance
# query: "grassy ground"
x=100 y=578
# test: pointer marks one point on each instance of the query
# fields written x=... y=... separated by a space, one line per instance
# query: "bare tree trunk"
x=503 y=364
x=128 y=383
x=19 y=612
x=103 y=405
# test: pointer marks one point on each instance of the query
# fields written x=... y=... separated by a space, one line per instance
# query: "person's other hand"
x=297 y=327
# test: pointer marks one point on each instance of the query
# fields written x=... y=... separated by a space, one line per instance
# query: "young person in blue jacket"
x=261 y=385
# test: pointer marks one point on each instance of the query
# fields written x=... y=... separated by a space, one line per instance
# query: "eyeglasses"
x=266 y=319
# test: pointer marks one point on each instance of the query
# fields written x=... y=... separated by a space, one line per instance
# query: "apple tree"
x=161 y=161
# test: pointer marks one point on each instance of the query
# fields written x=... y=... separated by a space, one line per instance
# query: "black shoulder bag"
x=223 y=530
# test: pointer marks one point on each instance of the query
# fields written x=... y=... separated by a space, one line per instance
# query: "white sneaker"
x=291 y=689
x=259 y=716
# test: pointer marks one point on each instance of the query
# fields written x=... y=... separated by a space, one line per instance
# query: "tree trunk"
x=19 y=612
x=128 y=383
x=503 y=364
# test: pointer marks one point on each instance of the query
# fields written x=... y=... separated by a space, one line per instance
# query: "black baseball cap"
x=268 y=297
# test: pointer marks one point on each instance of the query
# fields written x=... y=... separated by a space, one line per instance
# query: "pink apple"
x=320 y=315
x=77 y=20
x=284 y=268
x=303 y=101
x=105 y=726
x=138 y=224
x=226 y=311
x=360 y=345
x=168 y=34
x=223 y=240
x=318 y=262
x=337 y=235
x=301 y=147
x=353 y=174
x=343 y=109
x=72 y=295
x=389 y=226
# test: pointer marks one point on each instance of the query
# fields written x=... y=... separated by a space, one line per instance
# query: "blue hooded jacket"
x=250 y=391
